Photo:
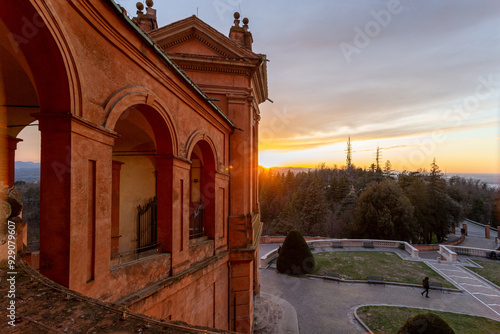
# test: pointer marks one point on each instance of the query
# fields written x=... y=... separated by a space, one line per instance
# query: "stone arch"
x=39 y=73
x=142 y=178
x=152 y=108
x=199 y=136
x=202 y=154
x=48 y=54
x=49 y=88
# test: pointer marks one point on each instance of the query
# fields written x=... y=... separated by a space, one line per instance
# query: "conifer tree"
x=384 y=212
x=295 y=257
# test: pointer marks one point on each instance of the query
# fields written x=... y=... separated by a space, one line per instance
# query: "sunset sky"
x=419 y=79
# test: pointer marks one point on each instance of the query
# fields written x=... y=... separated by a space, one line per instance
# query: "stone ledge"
x=46 y=305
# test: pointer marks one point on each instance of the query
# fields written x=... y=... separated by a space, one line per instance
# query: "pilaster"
x=75 y=200
x=7 y=159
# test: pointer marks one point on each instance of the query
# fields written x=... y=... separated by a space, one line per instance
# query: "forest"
x=378 y=203
x=31 y=211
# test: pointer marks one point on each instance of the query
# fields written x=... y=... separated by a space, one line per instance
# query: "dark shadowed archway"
x=202 y=200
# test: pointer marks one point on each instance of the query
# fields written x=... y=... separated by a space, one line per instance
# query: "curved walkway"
x=476 y=238
x=328 y=307
x=482 y=291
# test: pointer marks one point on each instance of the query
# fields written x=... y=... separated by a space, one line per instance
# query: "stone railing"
x=435 y=247
x=447 y=254
x=479 y=224
x=267 y=258
x=272 y=239
x=270 y=256
x=411 y=250
x=471 y=251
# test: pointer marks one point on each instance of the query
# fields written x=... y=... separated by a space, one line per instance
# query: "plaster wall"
x=94 y=67
x=200 y=298
x=137 y=187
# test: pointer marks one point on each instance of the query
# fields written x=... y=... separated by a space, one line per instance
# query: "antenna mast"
x=378 y=157
x=348 y=160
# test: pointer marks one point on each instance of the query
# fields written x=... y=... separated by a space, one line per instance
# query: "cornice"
x=207 y=68
x=167 y=79
x=225 y=89
x=196 y=36
x=196 y=26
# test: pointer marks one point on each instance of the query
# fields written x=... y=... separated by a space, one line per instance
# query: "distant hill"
x=492 y=180
x=27 y=171
x=294 y=170
x=26 y=164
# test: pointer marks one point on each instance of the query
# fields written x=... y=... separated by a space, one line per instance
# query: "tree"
x=426 y=323
x=388 y=169
x=439 y=203
x=322 y=201
x=295 y=256
x=384 y=212
x=288 y=219
x=313 y=210
x=416 y=191
x=338 y=189
x=344 y=226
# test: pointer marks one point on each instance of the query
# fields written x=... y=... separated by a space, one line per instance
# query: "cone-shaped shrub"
x=295 y=256
x=426 y=323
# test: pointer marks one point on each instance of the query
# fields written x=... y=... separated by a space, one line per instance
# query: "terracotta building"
x=149 y=154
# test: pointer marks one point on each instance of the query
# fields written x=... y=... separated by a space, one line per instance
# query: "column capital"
x=237 y=98
x=11 y=142
x=175 y=160
x=67 y=122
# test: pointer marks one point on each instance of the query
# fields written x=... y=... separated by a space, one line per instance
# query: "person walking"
x=425 y=284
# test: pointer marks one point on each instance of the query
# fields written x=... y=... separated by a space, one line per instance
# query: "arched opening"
x=202 y=192
x=19 y=136
x=34 y=81
x=135 y=217
x=27 y=180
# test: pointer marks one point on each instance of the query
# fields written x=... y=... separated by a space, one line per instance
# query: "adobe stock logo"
x=487 y=89
x=372 y=29
x=29 y=30
x=224 y=6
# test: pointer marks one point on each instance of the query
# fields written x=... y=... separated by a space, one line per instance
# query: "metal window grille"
x=147 y=223
x=196 y=228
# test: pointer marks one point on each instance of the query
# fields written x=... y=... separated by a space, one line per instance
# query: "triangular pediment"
x=193 y=36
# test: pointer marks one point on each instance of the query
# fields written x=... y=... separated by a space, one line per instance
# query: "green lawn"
x=490 y=270
x=388 y=320
x=357 y=265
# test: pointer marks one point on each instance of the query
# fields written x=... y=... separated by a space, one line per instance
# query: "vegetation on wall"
x=31 y=210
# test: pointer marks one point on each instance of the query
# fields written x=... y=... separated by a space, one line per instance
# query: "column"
x=75 y=201
x=115 y=207
x=241 y=296
x=8 y=155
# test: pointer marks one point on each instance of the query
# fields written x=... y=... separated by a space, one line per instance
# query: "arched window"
x=202 y=194
x=134 y=227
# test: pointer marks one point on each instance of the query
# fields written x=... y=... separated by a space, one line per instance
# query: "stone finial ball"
x=139 y=6
x=149 y=3
x=246 y=20
x=236 y=15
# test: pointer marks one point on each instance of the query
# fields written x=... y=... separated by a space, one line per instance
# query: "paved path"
x=471 y=284
x=476 y=237
x=328 y=307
